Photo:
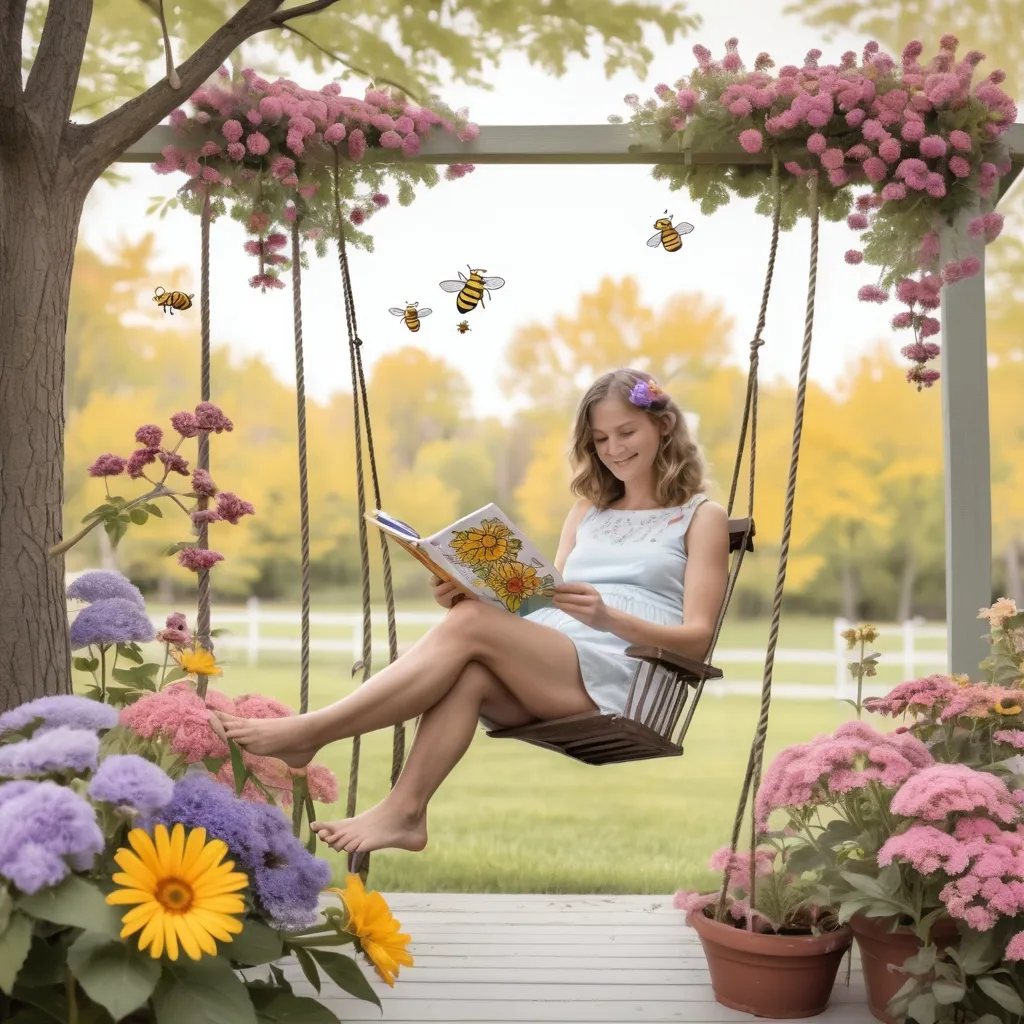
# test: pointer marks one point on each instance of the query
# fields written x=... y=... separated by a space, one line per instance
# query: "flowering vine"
x=923 y=138
x=118 y=513
x=270 y=151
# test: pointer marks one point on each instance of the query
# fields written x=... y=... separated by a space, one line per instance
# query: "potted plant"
x=774 y=955
x=915 y=833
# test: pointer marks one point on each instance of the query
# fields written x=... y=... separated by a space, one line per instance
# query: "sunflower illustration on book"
x=514 y=583
x=481 y=546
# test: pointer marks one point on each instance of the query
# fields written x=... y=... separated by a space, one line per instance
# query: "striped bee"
x=170 y=301
x=667 y=235
x=462 y=326
x=411 y=314
x=471 y=290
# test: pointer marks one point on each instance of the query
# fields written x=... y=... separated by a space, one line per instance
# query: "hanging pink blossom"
x=108 y=465
x=751 y=140
x=257 y=143
x=210 y=418
x=899 y=322
x=334 y=134
x=231 y=508
x=356 y=144
x=872 y=293
x=854 y=256
x=921 y=377
x=232 y=130
x=875 y=168
x=857 y=221
x=202 y=484
x=198 y=559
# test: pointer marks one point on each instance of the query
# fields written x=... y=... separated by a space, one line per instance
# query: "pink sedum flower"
x=940 y=790
x=108 y=465
x=198 y=559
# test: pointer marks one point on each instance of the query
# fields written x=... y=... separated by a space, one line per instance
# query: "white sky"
x=552 y=232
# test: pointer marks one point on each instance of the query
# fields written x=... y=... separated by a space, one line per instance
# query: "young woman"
x=644 y=556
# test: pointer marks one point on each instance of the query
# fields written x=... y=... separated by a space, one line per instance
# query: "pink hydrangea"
x=356 y=144
x=198 y=559
x=927 y=849
x=853 y=256
x=231 y=508
x=232 y=130
x=737 y=865
x=933 y=147
x=181 y=718
x=751 y=140
x=257 y=143
x=856 y=221
x=935 y=792
x=335 y=133
x=872 y=293
x=108 y=465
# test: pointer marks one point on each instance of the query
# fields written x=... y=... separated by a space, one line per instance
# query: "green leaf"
x=922 y=961
x=113 y=973
x=279 y=978
x=241 y=773
x=865 y=884
x=77 y=903
x=947 y=992
x=116 y=529
x=154 y=509
x=889 y=879
x=345 y=973
x=15 y=943
x=977 y=952
x=44 y=966
x=1000 y=992
x=174 y=675
x=922 y=1008
x=86 y=664
x=180 y=545
x=213 y=764
x=308 y=965
x=139 y=516
x=257 y=943
x=203 y=991
x=128 y=652
x=6 y=908
x=285 y=1008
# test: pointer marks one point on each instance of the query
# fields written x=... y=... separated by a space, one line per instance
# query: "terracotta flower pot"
x=776 y=976
x=881 y=949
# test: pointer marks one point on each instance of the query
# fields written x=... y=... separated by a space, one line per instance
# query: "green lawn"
x=513 y=818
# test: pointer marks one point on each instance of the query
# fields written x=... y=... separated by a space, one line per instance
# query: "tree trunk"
x=39 y=215
x=908 y=578
x=1014 y=580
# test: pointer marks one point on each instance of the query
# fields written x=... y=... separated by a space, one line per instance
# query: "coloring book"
x=485 y=553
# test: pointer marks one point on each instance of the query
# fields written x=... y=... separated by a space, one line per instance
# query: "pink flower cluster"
x=913 y=696
x=853 y=756
x=265 y=129
x=935 y=792
x=181 y=718
x=175 y=633
x=983 y=861
x=737 y=865
x=877 y=123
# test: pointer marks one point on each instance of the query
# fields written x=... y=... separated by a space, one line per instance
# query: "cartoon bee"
x=667 y=235
x=170 y=301
x=462 y=326
x=471 y=289
x=411 y=314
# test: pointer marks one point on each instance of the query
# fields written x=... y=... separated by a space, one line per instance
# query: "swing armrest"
x=690 y=669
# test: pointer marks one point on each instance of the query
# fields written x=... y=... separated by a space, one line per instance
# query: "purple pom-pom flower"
x=54 y=712
x=114 y=620
x=56 y=750
x=101 y=584
x=127 y=780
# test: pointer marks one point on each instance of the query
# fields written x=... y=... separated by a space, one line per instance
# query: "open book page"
x=489 y=555
x=406 y=537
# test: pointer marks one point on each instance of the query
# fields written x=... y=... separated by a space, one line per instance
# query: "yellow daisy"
x=483 y=544
x=369 y=919
x=182 y=892
x=1007 y=706
x=199 y=662
x=514 y=582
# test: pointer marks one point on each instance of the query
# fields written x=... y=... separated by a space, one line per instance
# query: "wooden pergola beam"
x=964 y=359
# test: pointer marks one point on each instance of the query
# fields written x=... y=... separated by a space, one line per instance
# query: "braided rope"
x=203 y=630
x=755 y=762
x=300 y=406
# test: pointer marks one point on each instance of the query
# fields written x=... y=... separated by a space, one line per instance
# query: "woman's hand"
x=448 y=594
x=583 y=602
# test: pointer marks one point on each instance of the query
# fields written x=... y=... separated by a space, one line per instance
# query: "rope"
x=203 y=460
x=752 y=778
x=300 y=405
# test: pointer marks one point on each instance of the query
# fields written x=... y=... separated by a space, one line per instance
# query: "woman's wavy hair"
x=679 y=467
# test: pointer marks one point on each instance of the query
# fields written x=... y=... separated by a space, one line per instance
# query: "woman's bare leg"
x=537 y=664
x=443 y=736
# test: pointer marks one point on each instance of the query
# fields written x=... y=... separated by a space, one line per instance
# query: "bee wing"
x=683 y=228
x=654 y=240
x=421 y=313
x=494 y=282
x=452 y=286
x=395 y=311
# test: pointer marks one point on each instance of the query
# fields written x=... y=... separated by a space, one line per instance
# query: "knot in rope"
x=756 y=344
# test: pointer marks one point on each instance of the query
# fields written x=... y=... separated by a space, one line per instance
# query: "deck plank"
x=542 y=959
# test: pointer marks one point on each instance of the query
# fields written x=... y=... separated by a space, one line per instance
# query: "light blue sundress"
x=635 y=558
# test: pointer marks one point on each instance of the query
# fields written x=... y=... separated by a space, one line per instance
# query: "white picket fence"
x=247 y=632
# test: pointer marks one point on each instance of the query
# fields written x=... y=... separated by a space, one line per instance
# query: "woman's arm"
x=704 y=581
x=567 y=541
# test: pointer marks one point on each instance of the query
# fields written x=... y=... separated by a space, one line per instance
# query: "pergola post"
x=965 y=442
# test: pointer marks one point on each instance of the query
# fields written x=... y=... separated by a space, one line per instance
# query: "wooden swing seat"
x=657 y=695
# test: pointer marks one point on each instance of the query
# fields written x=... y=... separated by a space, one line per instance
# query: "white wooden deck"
x=554 y=959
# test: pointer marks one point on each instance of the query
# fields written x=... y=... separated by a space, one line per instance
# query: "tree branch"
x=12 y=23
x=50 y=90
x=302 y=11
x=95 y=146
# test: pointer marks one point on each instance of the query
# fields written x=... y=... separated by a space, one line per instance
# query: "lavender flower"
x=127 y=780
x=103 y=583
x=289 y=879
x=113 y=620
x=54 y=712
x=56 y=750
x=45 y=830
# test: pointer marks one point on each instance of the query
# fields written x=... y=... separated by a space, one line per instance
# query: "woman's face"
x=626 y=438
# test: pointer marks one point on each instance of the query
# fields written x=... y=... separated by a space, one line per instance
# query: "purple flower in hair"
x=114 y=620
x=103 y=583
x=45 y=830
x=647 y=395
x=55 y=750
x=54 y=712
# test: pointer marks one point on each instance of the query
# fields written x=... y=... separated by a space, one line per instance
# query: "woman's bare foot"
x=287 y=739
x=380 y=828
